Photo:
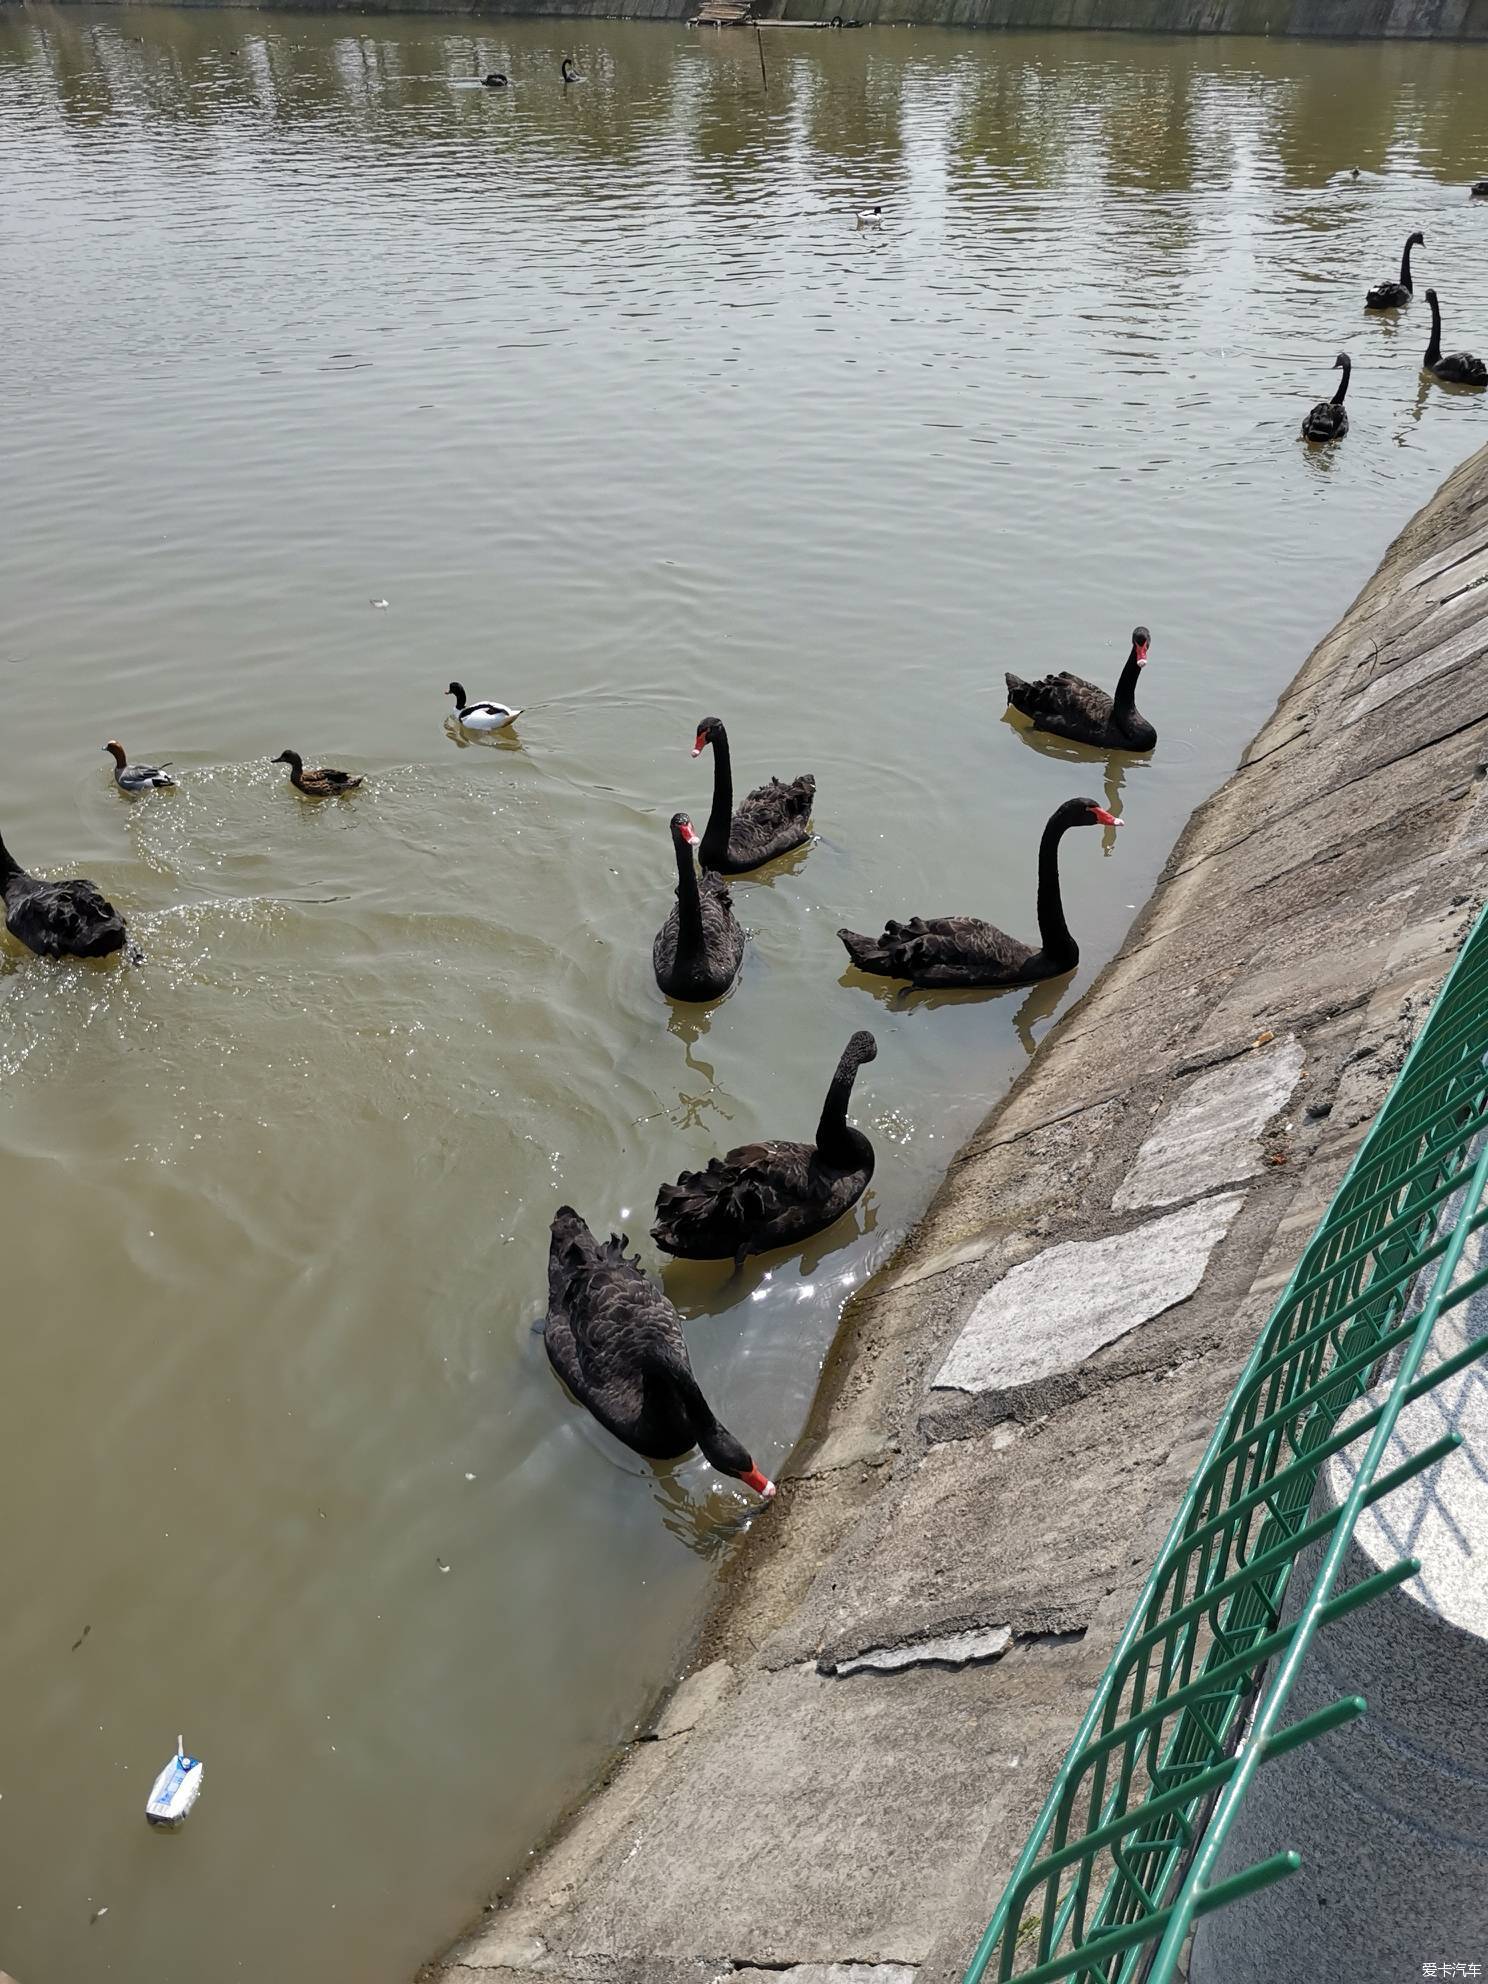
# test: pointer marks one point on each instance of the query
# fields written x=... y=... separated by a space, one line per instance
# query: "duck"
x=762 y=1196
x=1328 y=421
x=1478 y=190
x=495 y=81
x=1068 y=706
x=869 y=216
x=1457 y=368
x=318 y=781
x=698 y=950
x=1395 y=295
x=480 y=716
x=137 y=778
x=771 y=820
x=58 y=919
x=568 y=72
x=616 y=1342
x=963 y=950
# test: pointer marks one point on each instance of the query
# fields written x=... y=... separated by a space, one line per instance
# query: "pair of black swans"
x=611 y=1333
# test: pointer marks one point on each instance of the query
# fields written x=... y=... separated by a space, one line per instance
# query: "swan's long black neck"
x=8 y=864
x=1342 y=384
x=836 y=1140
x=1058 y=947
x=1405 y=274
x=1433 y=350
x=1125 y=699
x=721 y=819
x=716 y=1443
x=689 y=905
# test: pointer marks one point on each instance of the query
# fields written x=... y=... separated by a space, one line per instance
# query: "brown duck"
x=316 y=781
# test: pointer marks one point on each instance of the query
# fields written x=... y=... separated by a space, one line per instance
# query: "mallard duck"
x=319 y=781
x=616 y=1342
x=479 y=716
x=1457 y=368
x=137 y=778
x=770 y=821
x=58 y=919
x=1328 y=421
x=963 y=950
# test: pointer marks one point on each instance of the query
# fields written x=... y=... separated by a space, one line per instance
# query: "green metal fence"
x=1121 y=1862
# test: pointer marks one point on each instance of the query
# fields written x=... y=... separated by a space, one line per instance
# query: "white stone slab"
x=1208 y=1134
x=950 y=1650
x=1049 y=1314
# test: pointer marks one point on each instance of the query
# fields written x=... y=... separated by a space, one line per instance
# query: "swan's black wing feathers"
x=770 y=821
x=62 y=919
x=941 y=950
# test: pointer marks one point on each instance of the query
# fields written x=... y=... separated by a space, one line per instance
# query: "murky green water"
x=605 y=395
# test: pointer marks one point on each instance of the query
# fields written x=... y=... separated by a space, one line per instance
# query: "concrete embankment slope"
x=911 y=1634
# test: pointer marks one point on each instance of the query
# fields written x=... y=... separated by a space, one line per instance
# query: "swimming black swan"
x=699 y=948
x=1478 y=190
x=58 y=919
x=1070 y=707
x=1395 y=295
x=772 y=820
x=137 y=778
x=962 y=950
x=568 y=72
x=772 y=1195
x=1458 y=368
x=495 y=81
x=316 y=781
x=617 y=1343
x=1328 y=420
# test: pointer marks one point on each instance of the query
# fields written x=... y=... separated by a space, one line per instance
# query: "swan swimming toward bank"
x=770 y=821
x=1328 y=420
x=1395 y=295
x=1067 y=706
x=698 y=950
x=1457 y=368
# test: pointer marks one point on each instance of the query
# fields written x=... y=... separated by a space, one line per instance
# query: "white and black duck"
x=137 y=778
x=616 y=1342
x=762 y=1196
x=58 y=919
x=480 y=716
x=1456 y=368
x=698 y=950
x=963 y=950
x=1068 y=706
x=1328 y=420
x=1395 y=295
x=770 y=821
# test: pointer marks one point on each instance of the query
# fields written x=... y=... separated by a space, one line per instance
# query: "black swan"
x=699 y=948
x=772 y=820
x=1478 y=190
x=1071 y=707
x=1328 y=421
x=772 y=1195
x=316 y=781
x=495 y=81
x=58 y=919
x=1458 y=368
x=1395 y=295
x=137 y=778
x=617 y=1343
x=962 y=950
x=568 y=72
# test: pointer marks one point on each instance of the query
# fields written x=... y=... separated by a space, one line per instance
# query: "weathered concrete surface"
x=1210 y=1133
x=810 y=1818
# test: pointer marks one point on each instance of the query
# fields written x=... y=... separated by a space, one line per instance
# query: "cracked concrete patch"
x=1049 y=1314
x=949 y=1650
x=698 y=1695
x=1209 y=1134
x=825 y=1973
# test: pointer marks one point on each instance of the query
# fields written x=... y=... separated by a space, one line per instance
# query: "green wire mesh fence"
x=1120 y=1863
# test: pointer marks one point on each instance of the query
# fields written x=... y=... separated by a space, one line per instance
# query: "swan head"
x=1141 y=641
x=116 y=752
x=709 y=728
x=291 y=758
x=1341 y=363
x=1353 y=172
x=1086 y=813
x=730 y=1456
x=1431 y=296
x=685 y=831
x=862 y=1047
x=1417 y=240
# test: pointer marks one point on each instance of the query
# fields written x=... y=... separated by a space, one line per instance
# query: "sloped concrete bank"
x=838 y=1790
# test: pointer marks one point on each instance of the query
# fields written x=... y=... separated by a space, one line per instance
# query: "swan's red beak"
x=1106 y=819
x=1142 y=647
x=690 y=834
x=697 y=745
x=760 y=1483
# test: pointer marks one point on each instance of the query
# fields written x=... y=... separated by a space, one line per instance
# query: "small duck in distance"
x=1067 y=706
x=1395 y=295
x=1328 y=421
x=1455 y=368
x=495 y=81
x=316 y=781
x=480 y=716
x=1478 y=190
x=137 y=778
x=568 y=72
x=870 y=217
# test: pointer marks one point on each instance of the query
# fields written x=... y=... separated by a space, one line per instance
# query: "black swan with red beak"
x=617 y=1343
x=699 y=948
x=58 y=919
x=762 y=1196
x=1068 y=706
x=771 y=820
x=962 y=950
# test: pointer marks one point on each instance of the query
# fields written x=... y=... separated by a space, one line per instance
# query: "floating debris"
x=176 y=1789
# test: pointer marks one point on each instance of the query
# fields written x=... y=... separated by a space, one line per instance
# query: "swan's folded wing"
x=734 y=1196
x=773 y=807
